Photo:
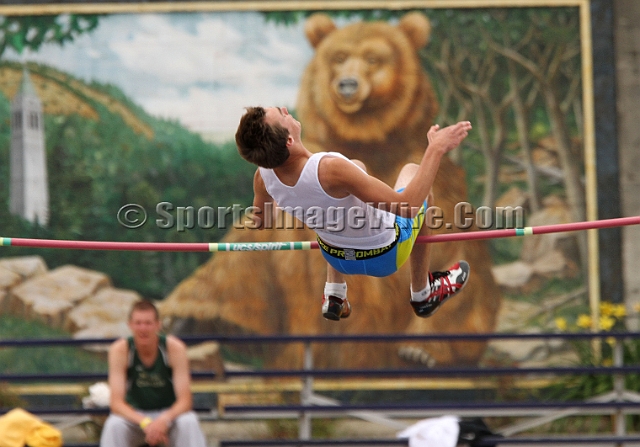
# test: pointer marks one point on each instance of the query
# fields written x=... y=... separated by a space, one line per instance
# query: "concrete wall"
x=627 y=64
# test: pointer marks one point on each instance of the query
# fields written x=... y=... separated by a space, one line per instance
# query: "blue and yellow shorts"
x=378 y=261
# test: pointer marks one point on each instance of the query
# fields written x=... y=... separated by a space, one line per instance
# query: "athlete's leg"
x=429 y=290
x=419 y=258
x=334 y=300
x=334 y=276
x=186 y=431
x=119 y=432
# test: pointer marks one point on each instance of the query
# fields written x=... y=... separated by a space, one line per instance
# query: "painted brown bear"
x=366 y=95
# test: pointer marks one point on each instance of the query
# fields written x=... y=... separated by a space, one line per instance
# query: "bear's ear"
x=417 y=28
x=318 y=26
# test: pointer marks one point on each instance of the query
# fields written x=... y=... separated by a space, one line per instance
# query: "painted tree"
x=31 y=32
x=504 y=69
x=533 y=58
x=473 y=86
x=549 y=51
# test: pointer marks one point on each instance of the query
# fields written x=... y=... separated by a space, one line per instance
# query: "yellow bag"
x=19 y=428
x=44 y=436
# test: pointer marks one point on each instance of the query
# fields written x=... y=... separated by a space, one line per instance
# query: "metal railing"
x=619 y=402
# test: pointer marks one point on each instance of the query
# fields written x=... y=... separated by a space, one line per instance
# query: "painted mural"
x=139 y=112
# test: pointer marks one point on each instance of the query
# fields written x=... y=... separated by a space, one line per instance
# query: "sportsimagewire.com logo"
x=183 y=218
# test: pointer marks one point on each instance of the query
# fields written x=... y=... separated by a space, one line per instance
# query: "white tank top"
x=344 y=223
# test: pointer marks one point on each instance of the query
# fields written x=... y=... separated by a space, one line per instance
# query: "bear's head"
x=365 y=81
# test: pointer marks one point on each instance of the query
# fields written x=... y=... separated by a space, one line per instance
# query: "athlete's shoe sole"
x=334 y=308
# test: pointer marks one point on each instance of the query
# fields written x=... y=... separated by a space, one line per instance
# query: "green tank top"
x=149 y=388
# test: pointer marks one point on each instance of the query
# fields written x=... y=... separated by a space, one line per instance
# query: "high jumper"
x=383 y=236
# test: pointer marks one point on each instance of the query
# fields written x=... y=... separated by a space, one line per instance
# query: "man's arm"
x=179 y=362
x=118 y=352
x=260 y=199
x=340 y=177
x=157 y=431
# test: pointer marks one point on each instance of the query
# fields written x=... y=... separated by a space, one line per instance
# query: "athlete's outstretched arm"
x=340 y=177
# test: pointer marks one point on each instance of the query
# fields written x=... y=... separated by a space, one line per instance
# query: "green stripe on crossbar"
x=260 y=246
x=526 y=231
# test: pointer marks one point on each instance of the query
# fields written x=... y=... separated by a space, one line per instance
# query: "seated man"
x=149 y=378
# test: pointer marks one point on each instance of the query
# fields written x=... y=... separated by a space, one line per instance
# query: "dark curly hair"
x=260 y=143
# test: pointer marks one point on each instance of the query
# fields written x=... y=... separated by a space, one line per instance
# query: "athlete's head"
x=261 y=142
x=144 y=323
x=144 y=306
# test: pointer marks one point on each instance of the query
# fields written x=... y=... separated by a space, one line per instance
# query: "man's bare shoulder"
x=336 y=174
x=332 y=165
x=174 y=343
x=118 y=351
x=120 y=344
x=177 y=351
x=258 y=182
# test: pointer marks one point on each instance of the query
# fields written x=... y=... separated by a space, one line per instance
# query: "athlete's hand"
x=157 y=432
x=448 y=138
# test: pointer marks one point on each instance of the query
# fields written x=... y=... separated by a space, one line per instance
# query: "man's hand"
x=157 y=432
x=448 y=138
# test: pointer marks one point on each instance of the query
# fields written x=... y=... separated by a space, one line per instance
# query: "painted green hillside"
x=104 y=152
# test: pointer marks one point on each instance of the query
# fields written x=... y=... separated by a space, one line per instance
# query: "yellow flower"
x=607 y=362
x=606 y=322
x=611 y=341
x=619 y=311
x=584 y=321
x=561 y=323
x=606 y=309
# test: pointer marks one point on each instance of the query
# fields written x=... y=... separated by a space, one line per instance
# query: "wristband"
x=145 y=422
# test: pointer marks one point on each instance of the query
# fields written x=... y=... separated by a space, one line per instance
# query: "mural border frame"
x=587 y=48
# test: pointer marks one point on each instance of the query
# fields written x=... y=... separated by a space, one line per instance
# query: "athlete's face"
x=144 y=325
x=281 y=116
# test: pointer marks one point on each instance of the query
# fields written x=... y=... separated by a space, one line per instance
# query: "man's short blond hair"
x=144 y=305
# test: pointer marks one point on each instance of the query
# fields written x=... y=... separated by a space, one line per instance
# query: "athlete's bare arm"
x=118 y=355
x=260 y=198
x=340 y=177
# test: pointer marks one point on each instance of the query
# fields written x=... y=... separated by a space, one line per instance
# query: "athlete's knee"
x=186 y=431
x=116 y=432
x=430 y=198
x=409 y=168
x=115 y=423
x=407 y=172
x=187 y=421
x=360 y=164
